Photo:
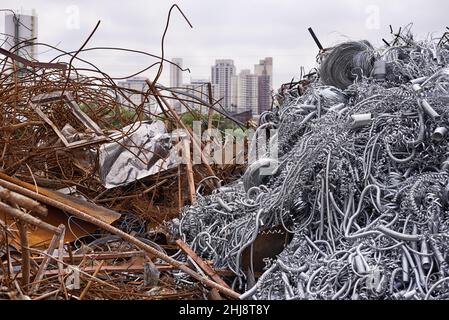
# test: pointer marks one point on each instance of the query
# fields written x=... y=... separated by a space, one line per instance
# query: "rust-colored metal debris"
x=63 y=235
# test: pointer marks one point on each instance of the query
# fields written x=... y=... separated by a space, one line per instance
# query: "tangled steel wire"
x=362 y=186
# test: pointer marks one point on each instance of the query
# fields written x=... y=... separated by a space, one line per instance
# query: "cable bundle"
x=362 y=186
x=346 y=63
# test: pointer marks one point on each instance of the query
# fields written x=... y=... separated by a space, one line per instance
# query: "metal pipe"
x=361 y=120
x=429 y=110
x=425 y=260
x=439 y=134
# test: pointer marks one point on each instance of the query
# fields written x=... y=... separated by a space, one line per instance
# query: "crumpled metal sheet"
x=143 y=151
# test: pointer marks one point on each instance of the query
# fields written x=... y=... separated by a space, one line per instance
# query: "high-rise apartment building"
x=245 y=92
x=137 y=86
x=176 y=81
x=176 y=73
x=265 y=67
x=222 y=73
x=264 y=98
x=264 y=72
x=21 y=34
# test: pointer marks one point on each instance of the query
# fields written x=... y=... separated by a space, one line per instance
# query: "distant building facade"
x=249 y=91
x=221 y=76
x=176 y=73
x=137 y=86
x=21 y=32
x=176 y=81
x=245 y=92
x=264 y=72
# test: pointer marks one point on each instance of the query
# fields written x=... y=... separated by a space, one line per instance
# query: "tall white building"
x=222 y=73
x=245 y=92
x=176 y=82
x=176 y=73
x=20 y=30
x=264 y=72
x=234 y=93
x=137 y=86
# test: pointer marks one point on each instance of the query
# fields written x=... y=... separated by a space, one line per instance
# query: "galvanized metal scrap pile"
x=362 y=182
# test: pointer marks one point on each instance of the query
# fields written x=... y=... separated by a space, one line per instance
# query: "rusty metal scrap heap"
x=86 y=180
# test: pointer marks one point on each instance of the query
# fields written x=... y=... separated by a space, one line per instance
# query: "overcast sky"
x=243 y=30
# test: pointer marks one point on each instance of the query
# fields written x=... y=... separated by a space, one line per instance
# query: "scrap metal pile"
x=354 y=207
x=87 y=177
x=362 y=183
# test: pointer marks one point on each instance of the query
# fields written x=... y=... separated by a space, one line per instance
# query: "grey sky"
x=243 y=30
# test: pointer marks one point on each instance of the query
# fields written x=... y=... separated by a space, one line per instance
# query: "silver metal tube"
x=425 y=260
x=361 y=120
x=417 y=88
x=359 y=265
x=405 y=269
x=418 y=81
x=427 y=108
x=439 y=134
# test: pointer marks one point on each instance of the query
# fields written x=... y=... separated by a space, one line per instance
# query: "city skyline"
x=237 y=93
x=240 y=30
